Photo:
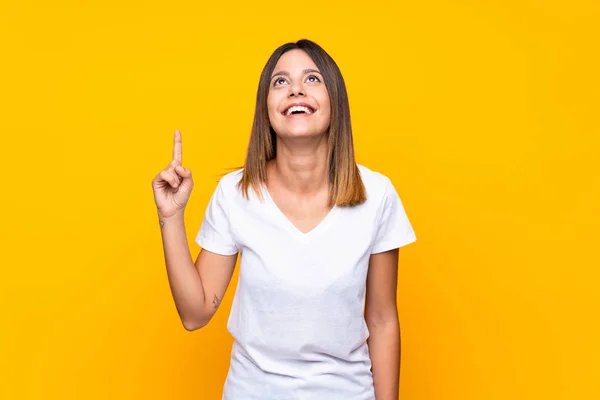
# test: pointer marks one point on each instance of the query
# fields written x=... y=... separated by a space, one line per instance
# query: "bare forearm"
x=384 y=348
x=184 y=280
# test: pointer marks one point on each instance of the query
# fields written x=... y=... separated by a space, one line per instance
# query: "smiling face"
x=296 y=79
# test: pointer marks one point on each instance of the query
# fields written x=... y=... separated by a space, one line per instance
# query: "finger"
x=177 y=150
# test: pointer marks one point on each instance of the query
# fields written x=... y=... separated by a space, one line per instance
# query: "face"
x=296 y=79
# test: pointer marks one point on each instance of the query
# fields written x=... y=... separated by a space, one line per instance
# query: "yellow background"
x=485 y=115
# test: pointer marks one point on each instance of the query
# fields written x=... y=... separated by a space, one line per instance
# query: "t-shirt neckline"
x=290 y=227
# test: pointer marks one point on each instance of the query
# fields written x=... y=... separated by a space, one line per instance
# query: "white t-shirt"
x=297 y=314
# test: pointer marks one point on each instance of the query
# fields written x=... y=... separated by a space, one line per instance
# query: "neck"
x=301 y=165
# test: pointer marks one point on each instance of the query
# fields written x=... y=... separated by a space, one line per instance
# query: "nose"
x=296 y=89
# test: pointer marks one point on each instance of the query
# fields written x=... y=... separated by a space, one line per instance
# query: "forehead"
x=294 y=60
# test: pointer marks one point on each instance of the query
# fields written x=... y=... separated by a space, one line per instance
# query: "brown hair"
x=346 y=186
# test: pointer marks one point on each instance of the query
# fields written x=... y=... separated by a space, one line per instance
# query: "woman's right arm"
x=199 y=287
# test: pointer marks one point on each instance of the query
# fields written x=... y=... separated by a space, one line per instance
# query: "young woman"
x=314 y=313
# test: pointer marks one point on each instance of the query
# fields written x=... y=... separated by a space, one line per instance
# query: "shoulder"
x=376 y=183
x=229 y=181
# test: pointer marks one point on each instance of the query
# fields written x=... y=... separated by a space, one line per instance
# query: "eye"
x=311 y=76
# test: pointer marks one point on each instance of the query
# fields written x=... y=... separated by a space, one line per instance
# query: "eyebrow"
x=304 y=71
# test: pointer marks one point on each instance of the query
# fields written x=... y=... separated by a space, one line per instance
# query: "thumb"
x=185 y=173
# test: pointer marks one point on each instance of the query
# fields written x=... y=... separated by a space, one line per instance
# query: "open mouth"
x=298 y=110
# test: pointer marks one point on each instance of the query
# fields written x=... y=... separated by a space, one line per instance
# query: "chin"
x=301 y=133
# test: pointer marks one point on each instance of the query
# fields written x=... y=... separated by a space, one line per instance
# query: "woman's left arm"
x=381 y=316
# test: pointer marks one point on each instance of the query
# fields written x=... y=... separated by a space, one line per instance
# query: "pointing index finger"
x=177 y=147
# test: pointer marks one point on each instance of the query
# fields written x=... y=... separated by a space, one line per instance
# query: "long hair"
x=345 y=185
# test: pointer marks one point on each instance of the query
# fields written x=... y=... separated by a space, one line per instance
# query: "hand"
x=173 y=185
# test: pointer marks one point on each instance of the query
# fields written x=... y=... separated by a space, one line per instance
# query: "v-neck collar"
x=293 y=229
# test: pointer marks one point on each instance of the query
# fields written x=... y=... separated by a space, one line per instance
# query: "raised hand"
x=173 y=185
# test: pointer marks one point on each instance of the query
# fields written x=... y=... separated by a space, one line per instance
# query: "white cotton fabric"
x=297 y=314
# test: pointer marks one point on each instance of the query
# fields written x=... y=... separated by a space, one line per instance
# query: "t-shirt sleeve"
x=215 y=231
x=393 y=228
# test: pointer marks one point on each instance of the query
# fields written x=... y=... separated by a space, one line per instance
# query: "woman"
x=318 y=234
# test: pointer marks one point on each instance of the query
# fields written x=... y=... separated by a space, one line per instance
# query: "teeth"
x=298 y=108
